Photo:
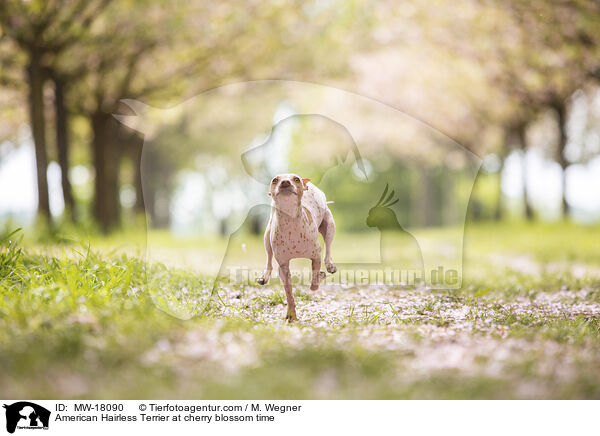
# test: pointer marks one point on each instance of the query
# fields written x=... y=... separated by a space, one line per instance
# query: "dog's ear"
x=304 y=182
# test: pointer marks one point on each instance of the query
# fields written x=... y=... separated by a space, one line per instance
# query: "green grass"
x=89 y=319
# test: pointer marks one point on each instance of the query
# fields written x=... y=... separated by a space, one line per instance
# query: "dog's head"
x=287 y=187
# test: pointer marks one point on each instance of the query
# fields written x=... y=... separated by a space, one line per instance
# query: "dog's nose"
x=285 y=183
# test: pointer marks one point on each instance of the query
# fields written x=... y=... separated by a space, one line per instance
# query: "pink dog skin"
x=298 y=213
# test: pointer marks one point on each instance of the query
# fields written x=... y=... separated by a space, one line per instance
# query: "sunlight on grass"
x=95 y=323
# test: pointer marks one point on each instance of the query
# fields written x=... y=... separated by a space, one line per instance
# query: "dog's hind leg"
x=327 y=229
x=264 y=279
x=286 y=278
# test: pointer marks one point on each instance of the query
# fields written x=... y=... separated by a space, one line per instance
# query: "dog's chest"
x=293 y=237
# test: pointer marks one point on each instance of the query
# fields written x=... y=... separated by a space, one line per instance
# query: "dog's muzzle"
x=286 y=187
x=286 y=191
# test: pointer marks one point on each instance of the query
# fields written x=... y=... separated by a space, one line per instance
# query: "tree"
x=43 y=29
x=550 y=54
x=62 y=141
x=536 y=53
x=163 y=52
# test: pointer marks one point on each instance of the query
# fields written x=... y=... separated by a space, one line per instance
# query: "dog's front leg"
x=316 y=273
x=286 y=279
x=264 y=279
x=327 y=229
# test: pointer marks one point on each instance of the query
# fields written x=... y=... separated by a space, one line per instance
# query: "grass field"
x=85 y=323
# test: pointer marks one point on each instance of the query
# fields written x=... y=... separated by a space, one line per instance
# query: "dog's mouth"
x=286 y=190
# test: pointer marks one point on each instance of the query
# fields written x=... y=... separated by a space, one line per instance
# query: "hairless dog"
x=299 y=212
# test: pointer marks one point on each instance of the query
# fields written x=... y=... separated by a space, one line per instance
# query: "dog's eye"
x=296 y=179
x=275 y=180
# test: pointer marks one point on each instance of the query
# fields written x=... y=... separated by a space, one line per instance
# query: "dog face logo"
x=26 y=415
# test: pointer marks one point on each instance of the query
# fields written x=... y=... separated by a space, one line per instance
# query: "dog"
x=299 y=212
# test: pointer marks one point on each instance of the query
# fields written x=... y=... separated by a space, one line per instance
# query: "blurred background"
x=513 y=82
x=479 y=111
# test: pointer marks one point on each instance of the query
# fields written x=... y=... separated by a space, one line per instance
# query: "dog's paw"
x=291 y=316
x=331 y=268
x=315 y=284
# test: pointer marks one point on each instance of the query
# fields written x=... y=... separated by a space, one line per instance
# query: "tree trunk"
x=522 y=141
x=499 y=211
x=62 y=144
x=137 y=147
x=107 y=157
x=38 y=130
x=561 y=111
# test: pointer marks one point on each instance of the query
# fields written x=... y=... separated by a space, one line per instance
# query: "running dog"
x=299 y=212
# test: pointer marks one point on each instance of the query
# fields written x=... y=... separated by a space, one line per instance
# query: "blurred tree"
x=561 y=43
x=97 y=52
x=533 y=54
x=12 y=113
x=121 y=57
x=515 y=60
x=61 y=114
x=43 y=29
x=548 y=52
x=163 y=53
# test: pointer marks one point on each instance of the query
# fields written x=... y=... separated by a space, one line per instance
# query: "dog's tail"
x=330 y=202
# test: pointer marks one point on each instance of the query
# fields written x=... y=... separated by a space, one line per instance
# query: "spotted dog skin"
x=299 y=213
